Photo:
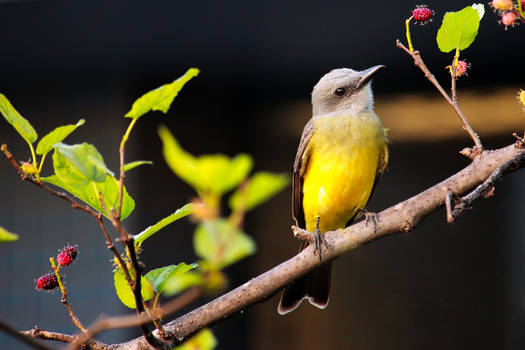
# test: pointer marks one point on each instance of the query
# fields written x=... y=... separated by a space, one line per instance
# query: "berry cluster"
x=422 y=14
x=508 y=11
x=64 y=258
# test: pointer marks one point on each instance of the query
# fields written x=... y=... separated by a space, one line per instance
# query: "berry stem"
x=409 y=40
x=64 y=301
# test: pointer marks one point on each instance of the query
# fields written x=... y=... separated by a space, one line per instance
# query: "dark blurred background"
x=441 y=286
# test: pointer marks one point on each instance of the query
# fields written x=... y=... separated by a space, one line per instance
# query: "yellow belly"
x=344 y=156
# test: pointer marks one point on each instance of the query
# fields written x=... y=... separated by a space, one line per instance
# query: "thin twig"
x=64 y=300
x=85 y=208
x=127 y=321
x=25 y=338
x=418 y=61
x=64 y=338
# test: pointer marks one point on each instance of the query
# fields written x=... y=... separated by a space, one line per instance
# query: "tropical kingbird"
x=342 y=153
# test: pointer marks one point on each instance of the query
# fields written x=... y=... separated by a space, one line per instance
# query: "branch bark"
x=402 y=217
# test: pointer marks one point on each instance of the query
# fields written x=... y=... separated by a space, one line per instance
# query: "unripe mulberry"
x=47 y=282
x=422 y=14
x=502 y=5
x=67 y=255
x=508 y=19
x=461 y=68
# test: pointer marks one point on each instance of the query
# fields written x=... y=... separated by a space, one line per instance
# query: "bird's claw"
x=319 y=240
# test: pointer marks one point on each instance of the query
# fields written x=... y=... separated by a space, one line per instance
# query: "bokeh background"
x=441 y=286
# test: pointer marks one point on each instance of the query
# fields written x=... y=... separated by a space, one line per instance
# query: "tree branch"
x=402 y=217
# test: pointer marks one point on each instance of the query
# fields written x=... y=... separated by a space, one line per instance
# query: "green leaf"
x=480 y=8
x=135 y=164
x=6 y=236
x=58 y=135
x=150 y=231
x=89 y=195
x=161 y=98
x=209 y=174
x=14 y=118
x=78 y=165
x=182 y=282
x=160 y=277
x=458 y=30
x=124 y=292
x=221 y=244
x=204 y=340
x=259 y=188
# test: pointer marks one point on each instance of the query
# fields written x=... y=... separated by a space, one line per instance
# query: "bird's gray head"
x=343 y=89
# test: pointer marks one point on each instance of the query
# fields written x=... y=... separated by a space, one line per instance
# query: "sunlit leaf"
x=161 y=98
x=221 y=244
x=124 y=292
x=208 y=174
x=259 y=188
x=6 y=236
x=78 y=165
x=162 y=276
x=47 y=143
x=204 y=340
x=89 y=195
x=458 y=30
x=150 y=231
x=480 y=8
x=14 y=118
x=135 y=164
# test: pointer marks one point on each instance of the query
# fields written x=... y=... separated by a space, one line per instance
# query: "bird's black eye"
x=340 y=91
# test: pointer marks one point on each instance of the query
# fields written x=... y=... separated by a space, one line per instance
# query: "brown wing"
x=299 y=166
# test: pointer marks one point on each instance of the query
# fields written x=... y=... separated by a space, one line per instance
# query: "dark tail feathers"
x=314 y=286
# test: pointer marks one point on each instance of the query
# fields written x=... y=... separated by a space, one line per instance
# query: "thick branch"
x=402 y=217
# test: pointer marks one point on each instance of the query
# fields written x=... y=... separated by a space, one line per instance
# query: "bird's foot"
x=370 y=218
x=319 y=240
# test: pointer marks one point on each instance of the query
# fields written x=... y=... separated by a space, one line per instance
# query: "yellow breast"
x=344 y=154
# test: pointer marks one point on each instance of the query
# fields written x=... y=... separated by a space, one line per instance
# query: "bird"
x=341 y=156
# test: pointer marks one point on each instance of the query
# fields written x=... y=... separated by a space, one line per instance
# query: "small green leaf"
x=47 y=143
x=458 y=30
x=208 y=174
x=78 y=165
x=160 y=277
x=480 y=8
x=161 y=98
x=204 y=340
x=6 y=236
x=150 y=231
x=221 y=244
x=89 y=195
x=135 y=164
x=14 y=118
x=124 y=292
x=259 y=188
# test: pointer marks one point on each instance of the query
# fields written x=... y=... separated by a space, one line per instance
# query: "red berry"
x=508 y=19
x=422 y=13
x=47 y=282
x=67 y=255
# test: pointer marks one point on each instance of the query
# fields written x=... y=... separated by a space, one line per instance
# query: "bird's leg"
x=369 y=218
x=319 y=240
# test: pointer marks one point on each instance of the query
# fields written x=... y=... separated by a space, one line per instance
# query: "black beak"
x=367 y=75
